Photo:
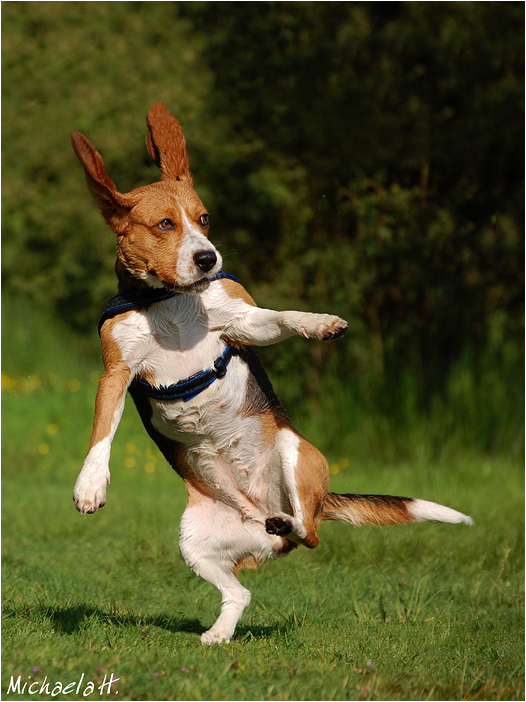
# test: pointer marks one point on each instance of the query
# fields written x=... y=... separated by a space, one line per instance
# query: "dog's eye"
x=166 y=224
x=204 y=220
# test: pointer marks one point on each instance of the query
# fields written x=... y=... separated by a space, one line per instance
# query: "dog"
x=178 y=337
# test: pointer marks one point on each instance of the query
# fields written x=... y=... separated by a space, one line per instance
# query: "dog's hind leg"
x=299 y=485
x=213 y=541
x=234 y=599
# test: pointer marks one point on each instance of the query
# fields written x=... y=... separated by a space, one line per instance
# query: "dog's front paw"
x=334 y=329
x=324 y=326
x=90 y=496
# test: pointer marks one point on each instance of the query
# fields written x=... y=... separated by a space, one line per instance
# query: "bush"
x=358 y=158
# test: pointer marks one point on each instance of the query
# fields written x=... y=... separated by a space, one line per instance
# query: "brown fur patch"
x=236 y=291
x=112 y=385
x=367 y=509
x=269 y=429
x=312 y=482
x=113 y=205
x=247 y=563
x=166 y=143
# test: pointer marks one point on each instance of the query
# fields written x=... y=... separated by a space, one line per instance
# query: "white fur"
x=287 y=445
x=212 y=540
x=194 y=240
x=256 y=326
x=89 y=493
x=424 y=511
x=173 y=340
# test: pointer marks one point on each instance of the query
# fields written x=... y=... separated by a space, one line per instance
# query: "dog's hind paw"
x=278 y=525
x=214 y=637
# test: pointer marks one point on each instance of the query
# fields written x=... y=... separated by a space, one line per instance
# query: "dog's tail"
x=386 y=509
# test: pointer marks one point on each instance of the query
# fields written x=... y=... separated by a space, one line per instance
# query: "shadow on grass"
x=69 y=620
x=75 y=618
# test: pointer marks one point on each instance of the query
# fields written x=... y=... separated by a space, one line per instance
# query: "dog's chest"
x=172 y=341
x=169 y=341
x=218 y=437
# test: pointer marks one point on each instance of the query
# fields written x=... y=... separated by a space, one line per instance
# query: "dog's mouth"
x=193 y=288
x=152 y=280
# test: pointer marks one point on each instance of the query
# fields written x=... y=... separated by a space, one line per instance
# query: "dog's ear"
x=166 y=144
x=113 y=205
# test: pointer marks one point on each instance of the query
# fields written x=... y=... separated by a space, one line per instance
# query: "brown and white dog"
x=256 y=488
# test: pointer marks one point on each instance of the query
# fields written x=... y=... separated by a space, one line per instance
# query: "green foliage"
x=96 y=68
x=361 y=158
x=384 y=172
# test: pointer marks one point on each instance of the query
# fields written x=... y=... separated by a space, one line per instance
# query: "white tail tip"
x=424 y=511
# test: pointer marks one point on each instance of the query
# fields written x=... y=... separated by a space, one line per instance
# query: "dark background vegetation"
x=359 y=158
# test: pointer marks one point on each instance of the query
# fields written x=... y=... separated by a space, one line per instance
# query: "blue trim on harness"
x=189 y=387
x=142 y=298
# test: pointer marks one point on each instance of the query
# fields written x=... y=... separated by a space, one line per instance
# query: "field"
x=423 y=612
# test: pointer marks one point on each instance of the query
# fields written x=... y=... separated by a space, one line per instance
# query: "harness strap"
x=143 y=298
x=189 y=387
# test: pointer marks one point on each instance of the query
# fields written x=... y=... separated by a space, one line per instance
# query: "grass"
x=403 y=613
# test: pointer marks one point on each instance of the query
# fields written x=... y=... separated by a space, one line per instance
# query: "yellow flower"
x=9 y=384
x=150 y=456
x=342 y=464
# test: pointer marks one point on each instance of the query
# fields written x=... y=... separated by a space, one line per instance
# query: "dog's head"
x=161 y=228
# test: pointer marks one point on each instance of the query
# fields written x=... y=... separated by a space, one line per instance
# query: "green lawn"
x=402 y=613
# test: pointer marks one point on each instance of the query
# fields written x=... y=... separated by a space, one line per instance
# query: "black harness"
x=189 y=387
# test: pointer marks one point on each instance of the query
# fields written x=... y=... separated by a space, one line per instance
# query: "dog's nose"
x=205 y=260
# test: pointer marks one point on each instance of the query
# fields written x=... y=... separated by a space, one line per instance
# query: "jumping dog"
x=178 y=337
